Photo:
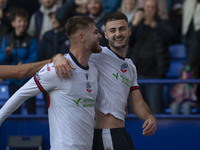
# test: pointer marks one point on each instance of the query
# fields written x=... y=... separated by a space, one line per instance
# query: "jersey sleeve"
x=134 y=85
x=28 y=90
x=46 y=78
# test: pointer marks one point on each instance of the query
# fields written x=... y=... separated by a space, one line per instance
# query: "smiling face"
x=20 y=24
x=117 y=32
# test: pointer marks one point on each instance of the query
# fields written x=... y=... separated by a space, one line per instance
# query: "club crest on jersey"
x=88 y=88
x=45 y=69
x=48 y=68
x=124 y=67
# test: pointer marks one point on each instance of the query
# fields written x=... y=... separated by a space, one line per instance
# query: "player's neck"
x=121 y=52
x=81 y=56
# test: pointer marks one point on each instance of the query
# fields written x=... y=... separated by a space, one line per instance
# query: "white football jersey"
x=117 y=77
x=71 y=108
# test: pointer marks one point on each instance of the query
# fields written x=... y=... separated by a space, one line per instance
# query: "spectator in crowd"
x=4 y=30
x=193 y=60
x=191 y=21
x=175 y=15
x=54 y=41
x=162 y=8
x=69 y=9
x=149 y=51
x=40 y=20
x=18 y=48
x=110 y=5
x=95 y=11
x=184 y=94
x=6 y=11
x=129 y=8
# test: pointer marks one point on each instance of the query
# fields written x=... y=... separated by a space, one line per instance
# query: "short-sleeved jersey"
x=117 y=77
x=71 y=109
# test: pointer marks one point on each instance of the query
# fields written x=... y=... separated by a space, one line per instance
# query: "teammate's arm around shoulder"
x=142 y=110
x=63 y=66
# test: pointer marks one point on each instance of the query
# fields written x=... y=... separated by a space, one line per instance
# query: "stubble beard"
x=112 y=44
x=95 y=48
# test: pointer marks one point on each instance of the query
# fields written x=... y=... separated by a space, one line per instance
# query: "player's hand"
x=149 y=126
x=8 y=50
x=63 y=66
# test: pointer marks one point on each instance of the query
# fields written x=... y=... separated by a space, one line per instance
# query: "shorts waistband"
x=109 y=130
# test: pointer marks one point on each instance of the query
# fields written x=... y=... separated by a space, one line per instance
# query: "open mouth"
x=120 y=39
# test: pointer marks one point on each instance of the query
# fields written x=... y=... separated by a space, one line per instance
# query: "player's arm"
x=142 y=110
x=21 y=71
x=63 y=66
x=28 y=90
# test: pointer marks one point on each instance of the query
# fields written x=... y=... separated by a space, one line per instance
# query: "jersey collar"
x=120 y=57
x=77 y=63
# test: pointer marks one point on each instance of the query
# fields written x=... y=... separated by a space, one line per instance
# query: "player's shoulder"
x=92 y=66
x=48 y=69
x=130 y=63
x=105 y=49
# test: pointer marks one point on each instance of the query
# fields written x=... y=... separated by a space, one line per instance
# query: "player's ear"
x=105 y=33
x=129 y=31
x=81 y=37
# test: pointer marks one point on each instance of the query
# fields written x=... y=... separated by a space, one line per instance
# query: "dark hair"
x=20 y=12
x=77 y=23
x=115 y=16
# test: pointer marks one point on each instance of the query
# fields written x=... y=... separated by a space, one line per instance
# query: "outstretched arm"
x=28 y=90
x=21 y=71
x=142 y=110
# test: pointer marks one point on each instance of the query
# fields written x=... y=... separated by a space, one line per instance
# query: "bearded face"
x=117 y=32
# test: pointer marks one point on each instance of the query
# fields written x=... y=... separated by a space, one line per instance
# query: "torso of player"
x=116 y=76
x=71 y=110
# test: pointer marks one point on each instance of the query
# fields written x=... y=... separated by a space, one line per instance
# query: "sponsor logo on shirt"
x=123 y=79
x=124 y=67
x=77 y=101
x=84 y=102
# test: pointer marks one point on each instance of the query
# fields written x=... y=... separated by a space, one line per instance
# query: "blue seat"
x=4 y=94
x=175 y=69
x=178 y=52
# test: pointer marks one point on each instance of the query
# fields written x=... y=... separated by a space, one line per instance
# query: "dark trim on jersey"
x=42 y=90
x=77 y=63
x=134 y=88
x=120 y=57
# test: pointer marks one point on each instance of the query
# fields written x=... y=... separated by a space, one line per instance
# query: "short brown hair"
x=76 y=23
x=19 y=12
